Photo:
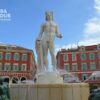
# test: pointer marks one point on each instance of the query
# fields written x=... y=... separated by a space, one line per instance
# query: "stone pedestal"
x=70 y=91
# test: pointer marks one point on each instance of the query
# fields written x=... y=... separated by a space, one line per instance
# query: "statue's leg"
x=45 y=54
x=52 y=53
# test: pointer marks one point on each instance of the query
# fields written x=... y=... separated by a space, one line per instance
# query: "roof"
x=79 y=48
x=87 y=48
x=13 y=47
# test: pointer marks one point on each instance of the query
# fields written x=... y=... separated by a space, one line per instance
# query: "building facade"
x=81 y=61
x=17 y=63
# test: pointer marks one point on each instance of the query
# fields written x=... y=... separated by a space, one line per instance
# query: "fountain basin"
x=69 y=91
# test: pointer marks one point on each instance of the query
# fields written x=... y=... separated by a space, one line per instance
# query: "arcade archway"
x=15 y=80
x=23 y=79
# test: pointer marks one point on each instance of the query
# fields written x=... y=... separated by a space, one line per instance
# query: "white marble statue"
x=48 y=32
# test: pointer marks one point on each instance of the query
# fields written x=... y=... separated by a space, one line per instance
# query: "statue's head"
x=49 y=15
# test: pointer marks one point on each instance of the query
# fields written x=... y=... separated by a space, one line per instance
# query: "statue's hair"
x=48 y=13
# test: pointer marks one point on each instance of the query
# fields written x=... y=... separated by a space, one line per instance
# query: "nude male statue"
x=48 y=32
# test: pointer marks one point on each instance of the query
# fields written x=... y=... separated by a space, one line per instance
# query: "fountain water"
x=95 y=74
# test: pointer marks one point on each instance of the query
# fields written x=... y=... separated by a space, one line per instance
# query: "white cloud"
x=90 y=41
x=97 y=5
x=92 y=26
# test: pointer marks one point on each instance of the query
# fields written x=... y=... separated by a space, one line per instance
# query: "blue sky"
x=78 y=21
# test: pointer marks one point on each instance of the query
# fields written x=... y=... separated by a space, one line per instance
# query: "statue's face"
x=49 y=16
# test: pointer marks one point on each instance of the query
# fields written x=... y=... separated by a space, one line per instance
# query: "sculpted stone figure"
x=48 y=32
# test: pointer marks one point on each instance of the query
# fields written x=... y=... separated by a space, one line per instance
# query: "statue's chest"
x=50 y=26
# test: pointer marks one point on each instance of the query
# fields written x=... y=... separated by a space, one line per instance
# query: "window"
x=84 y=76
x=91 y=56
x=73 y=57
x=74 y=67
x=15 y=67
x=1 y=56
x=92 y=66
x=99 y=55
x=94 y=78
x=8 y=56
x=99 y=65
x=83 y=57
x=83 y=66
x=66 y=67
x=7 y=67
x=24 y=57
x=0 y=66
x=98 y=46
x=65 y=57
x=23 y=67
x=16 y=56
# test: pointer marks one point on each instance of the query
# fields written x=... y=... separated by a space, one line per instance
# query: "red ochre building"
x=17 y=63
x=81 y=61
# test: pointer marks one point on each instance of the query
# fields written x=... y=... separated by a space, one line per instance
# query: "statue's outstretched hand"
x=59 y=35
x=38 y=40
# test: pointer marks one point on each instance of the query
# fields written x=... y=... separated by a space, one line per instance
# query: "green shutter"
x=66 y=67
x=74 y=67
x=15 y=67
x=7 y=67
x=93 y=66
x=16 y=56
x=1 y=56
x=24 y=57
x=92 y=56
x=73 y=57
x=8 y=56
x=83 y=56
x=0 y=67
x=23 y=67
x=83 y=67
x=98 y=55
